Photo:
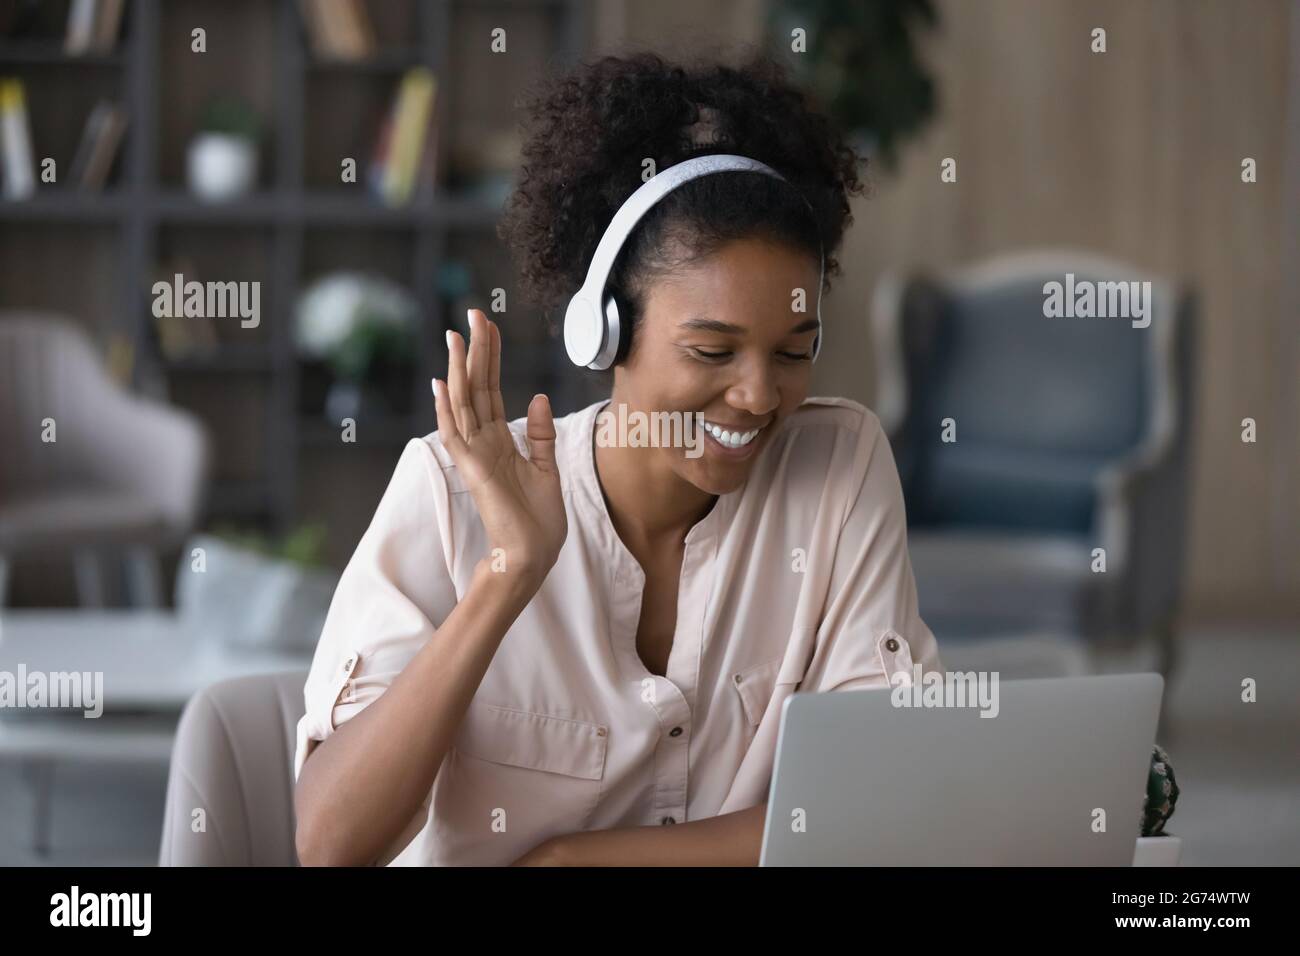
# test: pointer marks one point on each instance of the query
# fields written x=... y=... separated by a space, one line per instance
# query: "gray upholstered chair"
x=123 y=477
x=233 y=760
x=1071 y=435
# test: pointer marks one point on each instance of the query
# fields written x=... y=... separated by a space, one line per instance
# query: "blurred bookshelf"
x=93 y=255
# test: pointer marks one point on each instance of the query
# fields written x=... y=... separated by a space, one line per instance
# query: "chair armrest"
x=896 y=302
x=1141 y=524
x=887 y=341
x=1141 y=498
x=1122 y=489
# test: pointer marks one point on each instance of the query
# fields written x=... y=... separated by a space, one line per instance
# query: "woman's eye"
x=718 y=356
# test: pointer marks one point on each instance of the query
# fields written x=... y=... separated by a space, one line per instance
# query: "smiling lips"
x=731 y=438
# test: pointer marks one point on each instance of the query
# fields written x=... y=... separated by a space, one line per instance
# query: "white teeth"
x=729 y=438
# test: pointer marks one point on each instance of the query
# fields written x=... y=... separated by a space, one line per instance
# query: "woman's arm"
x=732 y=839
x=363 y=784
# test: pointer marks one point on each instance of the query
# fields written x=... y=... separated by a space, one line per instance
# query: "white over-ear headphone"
x=592 y=329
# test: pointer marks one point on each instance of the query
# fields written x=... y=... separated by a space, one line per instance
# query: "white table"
x=151 y=662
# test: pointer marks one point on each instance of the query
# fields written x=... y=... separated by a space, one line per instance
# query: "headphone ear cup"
x=619 y=326
x=584 y=330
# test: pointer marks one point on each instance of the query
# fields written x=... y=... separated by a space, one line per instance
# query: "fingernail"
x=449 y=338
x=433 y=384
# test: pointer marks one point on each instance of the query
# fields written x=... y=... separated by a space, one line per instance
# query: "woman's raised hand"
x=518 y=498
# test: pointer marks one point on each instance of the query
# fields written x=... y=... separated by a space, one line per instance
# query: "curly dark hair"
x=589 y=132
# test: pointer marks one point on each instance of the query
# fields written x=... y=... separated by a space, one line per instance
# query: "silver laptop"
x=1053 y=775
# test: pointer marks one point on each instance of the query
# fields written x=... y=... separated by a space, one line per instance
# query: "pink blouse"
x=798 y=581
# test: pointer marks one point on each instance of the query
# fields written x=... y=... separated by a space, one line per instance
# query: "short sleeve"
x=396 y=589
x=871 y=629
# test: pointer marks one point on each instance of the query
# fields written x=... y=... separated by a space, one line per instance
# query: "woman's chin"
x=718 y=469
x=717 y=478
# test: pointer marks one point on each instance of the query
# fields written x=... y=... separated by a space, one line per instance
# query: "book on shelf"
x=107 y=24
x=81 y=27
x=93 y=26
x=379 y=155
x=407 y=138
x=339 y=29
x=182 y=336
x=317 y=29
x=427 y=177
x=119 y=358
x=16 y=161
x=98 y=147
x=358 y=29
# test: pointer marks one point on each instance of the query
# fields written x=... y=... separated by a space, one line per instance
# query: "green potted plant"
x=1155 y=847
x=363 y=327
x=246 y=589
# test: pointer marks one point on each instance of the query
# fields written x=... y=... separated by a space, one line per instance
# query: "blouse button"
x=675 y=732
x=347 y=664
x=600 y=731
x=891 y=645
x=739 y=678
x=666 y=820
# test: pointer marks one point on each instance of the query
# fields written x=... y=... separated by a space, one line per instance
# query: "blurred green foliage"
x=374 y=344
x=305 y=545
x=862 y=65
x=231 y=115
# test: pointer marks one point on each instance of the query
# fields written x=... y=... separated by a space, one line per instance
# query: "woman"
x=548 y=648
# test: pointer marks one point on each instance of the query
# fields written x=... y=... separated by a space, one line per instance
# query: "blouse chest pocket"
x=755 y=686
x=515 y=778
x=518 y=738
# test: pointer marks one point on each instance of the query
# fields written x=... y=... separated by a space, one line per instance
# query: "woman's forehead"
x=750 y=273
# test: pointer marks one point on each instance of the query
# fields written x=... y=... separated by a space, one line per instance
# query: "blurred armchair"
x=1071 y=434
x=233 y=760
x=123 y=474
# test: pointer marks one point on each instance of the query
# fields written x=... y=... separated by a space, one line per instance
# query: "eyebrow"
x=727 y=328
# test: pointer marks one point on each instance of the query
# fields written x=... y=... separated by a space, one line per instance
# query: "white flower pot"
x=1158 y=851
x=221 y=167
x=246 y=599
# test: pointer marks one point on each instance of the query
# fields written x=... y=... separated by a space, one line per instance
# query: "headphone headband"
x=592 y=328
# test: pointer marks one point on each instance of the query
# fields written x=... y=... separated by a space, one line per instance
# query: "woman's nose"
x=754 y=391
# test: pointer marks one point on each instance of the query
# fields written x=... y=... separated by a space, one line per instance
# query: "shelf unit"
x=295 y=227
